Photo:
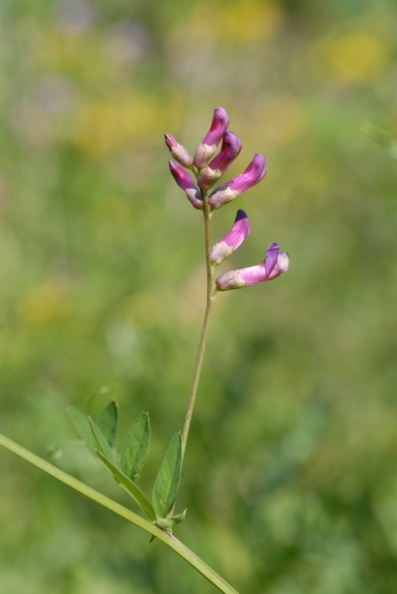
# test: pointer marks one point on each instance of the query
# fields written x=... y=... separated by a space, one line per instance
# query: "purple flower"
x=232 y=240
x=230 y=149
x=273 y=265
x=207 y=146
x=227 y=192
x=178 y=151
x=186 y=182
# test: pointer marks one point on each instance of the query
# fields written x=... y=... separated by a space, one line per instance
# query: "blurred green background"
x=290 y=479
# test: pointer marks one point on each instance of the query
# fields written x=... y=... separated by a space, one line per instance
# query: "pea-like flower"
x=227 y=192
x=186 y=182
x=274 y=264
x=232 y=240
x=230 y=149
x=179 y=152
x=207 y=146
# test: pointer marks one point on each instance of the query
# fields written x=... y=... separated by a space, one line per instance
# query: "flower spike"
x=227 y=192
x=230 y=149
x=207 y=146
x=186 y=182
x=274 y=264
x=178 y=151
x=232 y=240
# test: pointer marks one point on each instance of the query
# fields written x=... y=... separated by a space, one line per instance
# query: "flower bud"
x=232 y=240
x=207 y=146
x=231 y=147
x=186 y=182
x=178 y=151
x=274 y=264
x=227 y=192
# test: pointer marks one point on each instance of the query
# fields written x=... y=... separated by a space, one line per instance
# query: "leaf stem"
x=203 y=336
x=121 y=511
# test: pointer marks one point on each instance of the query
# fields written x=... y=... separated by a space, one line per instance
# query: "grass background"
x=290 y=478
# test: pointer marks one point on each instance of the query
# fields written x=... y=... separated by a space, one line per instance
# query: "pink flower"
x=178 y=151
x=186 y=182
x=273 y=265
x=207 y=146
x=232 y=240
x=231 y=147
x=252 y=175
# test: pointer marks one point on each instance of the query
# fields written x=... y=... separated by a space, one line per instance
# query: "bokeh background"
x=291 y=478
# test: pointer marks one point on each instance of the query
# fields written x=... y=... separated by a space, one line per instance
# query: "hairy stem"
x=203 y=336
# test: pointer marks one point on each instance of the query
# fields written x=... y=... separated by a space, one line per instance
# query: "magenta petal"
x=178 y=151
x=181 y=176
x=232 y=240
x=227 y=192
x=230 y=149
x=271 y=257
x=207 y=146
x=186 y=182
x=274 y=264
x=254 y=274
x=252 y=175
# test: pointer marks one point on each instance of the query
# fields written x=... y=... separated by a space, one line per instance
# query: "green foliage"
x=126 y=466
x=107 y=422
x=167 y=480
x=99 y=437
x=134 y=448
x=130 y=487
x=103 y=446
x=84 y=428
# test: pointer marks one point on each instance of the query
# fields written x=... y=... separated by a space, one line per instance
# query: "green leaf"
x=102 y=444
x=107 y=422
x=167 y=480
x=135 y=447
x=130 y=487
x=82 y=424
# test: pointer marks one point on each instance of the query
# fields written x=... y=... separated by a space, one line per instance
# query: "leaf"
x=82 y=424
x=167 y=480
x=102 y=445
x=130 y=487
x=135 y=447
x=107 y=422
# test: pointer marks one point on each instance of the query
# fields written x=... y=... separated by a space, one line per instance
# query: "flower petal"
x=178 y=151
x=207 y=146
x=227 y=192
x=186 y=182
x=230 y=149
x=232 y=240
x=274 y=264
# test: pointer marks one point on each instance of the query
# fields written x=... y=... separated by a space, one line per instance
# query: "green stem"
x=203 y=336
x=123 y=512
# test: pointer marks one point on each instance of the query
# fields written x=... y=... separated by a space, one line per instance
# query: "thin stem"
x=123 y=512
x=203 y=336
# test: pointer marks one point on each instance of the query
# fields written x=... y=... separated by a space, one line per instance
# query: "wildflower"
x=186 y=182
x=178 y=151
x=227 y=192
x=207 y=146
x=230 y=149
x=273 y=265
x=232 y=240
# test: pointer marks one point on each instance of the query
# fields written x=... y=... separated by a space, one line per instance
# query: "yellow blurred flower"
x=122 y=120
x=282 y=119
x=43 y=303
x=240 y=20
x=356 y=57
x=110 y=123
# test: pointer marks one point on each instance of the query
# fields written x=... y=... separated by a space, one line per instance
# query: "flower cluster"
x=197 y=174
